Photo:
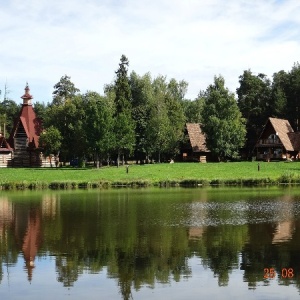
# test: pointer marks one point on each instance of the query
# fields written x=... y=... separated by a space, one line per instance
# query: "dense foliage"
x=143 y=118
x=222 y=121
x=260 y=98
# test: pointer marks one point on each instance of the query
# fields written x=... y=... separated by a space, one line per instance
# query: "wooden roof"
x=4 y=146
x=283 y=128
x=295 y=140
x=32 y=125
x=197 y=137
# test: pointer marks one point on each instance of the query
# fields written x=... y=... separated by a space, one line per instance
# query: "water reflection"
x=148 y=237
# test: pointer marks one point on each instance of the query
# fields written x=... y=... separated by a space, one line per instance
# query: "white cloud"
x=192 y=40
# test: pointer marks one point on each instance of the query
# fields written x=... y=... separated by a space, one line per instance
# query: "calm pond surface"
x=205 y=243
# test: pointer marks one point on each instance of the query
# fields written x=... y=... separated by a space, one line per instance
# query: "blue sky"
x=192 y=40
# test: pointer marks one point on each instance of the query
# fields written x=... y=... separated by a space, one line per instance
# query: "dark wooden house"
x=5 y=152
x=278 y=141
x=194 y=148
x=24 y=138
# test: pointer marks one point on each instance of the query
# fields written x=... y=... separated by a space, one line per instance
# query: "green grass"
x=238 y=173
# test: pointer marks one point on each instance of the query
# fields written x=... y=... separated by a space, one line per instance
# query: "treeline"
x=144 y=118
x=137 y=117
x=260 y=98
x=136 y=249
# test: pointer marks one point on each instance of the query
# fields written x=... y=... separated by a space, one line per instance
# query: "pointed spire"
x=27 y=97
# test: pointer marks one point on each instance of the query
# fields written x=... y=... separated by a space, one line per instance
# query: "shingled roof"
x=4 y=146
x=28 y=119
x=283 y=129
x=295 y=140
x=197 y=137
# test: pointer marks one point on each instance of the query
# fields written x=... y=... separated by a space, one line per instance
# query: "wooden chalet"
x=194 y=149
x=5 y=152
x=278 y=141
x=24 y=138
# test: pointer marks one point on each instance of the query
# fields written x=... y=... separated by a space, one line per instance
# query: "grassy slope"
x=155 y=173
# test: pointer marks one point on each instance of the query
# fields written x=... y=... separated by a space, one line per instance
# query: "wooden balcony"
x=269 y=142
x=270 y=156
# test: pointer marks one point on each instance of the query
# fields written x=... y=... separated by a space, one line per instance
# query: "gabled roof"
x=31 y=124
x=283 y=128
x=197 y=137
x=27 y=117
x=4 y=146
x=295 y=140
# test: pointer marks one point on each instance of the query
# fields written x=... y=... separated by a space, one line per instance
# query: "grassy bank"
x=188 y=174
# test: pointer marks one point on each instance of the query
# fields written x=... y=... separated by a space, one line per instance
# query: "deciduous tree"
x=222 y=121
x=50 y=142
x=254 y=101
x=98 y=125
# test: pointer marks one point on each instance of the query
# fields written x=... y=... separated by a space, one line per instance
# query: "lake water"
x=205 y=243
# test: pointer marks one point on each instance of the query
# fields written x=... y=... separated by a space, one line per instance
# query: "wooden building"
x=278 y=141
x=5 y=152
x=194 y=148
x=24 y=137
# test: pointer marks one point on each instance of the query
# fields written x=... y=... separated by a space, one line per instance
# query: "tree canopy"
x=143 y=117
x=222 y=121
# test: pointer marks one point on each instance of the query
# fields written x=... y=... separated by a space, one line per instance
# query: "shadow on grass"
x=60 y=169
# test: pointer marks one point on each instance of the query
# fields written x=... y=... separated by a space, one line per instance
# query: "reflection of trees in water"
x=118 y=235
x=8 y=253
x=261 y=252
x=67 y=270
x=126 y=236
x=222 y=247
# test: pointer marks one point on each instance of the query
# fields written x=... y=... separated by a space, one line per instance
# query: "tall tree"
x=142 y=95
x=279 y=94
x=159 y=128
x=175 y=94
x=122 y=87
x=193 y=109
x=222 y=121
x=124 y=124
x=254 y=101
x=9 y=110
x=69 y=118
x=40 y=110
x=293 y=96
x=67 y=114
x=63 y=90
x=50 y=141
x=98 y=125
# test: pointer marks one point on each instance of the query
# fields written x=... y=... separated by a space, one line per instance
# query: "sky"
x=191 y=40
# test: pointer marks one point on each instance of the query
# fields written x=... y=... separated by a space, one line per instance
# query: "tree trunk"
x=159 y=157
x=97 y=160
x=123 y=160
x=118 y=159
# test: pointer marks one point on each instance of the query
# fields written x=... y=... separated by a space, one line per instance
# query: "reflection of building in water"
x=195 y=233
x=198 y=216
x=284 y=231
x=6 y=214
x=28 y=235
x=50 y=206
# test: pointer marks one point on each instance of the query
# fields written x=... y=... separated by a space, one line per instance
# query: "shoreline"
x=189 y=183
x=152 y=175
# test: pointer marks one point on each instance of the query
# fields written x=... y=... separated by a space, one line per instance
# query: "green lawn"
x=228 y=173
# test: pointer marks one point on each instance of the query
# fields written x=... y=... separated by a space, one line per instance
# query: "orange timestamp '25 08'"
x=269 y=273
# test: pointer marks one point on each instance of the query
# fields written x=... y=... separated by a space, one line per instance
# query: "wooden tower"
x=24 y=138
